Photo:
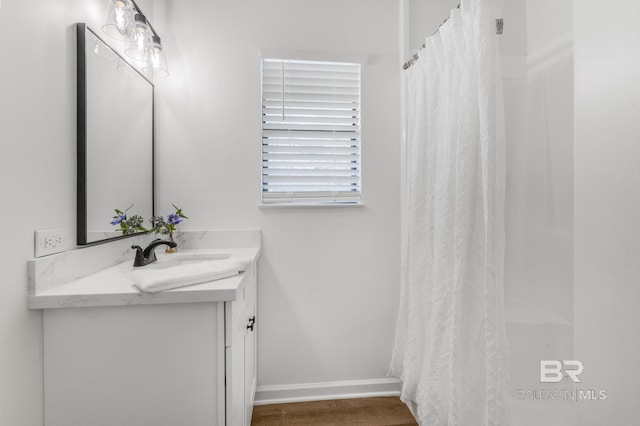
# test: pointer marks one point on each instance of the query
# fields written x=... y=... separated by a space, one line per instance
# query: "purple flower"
x=117 y=219
x=173 y=219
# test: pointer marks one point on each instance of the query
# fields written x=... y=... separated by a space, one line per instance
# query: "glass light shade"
x=118 y=20
x=158 y=65
x=141 y=47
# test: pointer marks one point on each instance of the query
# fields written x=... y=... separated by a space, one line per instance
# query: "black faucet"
x=148 y=255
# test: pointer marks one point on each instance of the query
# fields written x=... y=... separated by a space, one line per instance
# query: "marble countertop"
x=113 y=286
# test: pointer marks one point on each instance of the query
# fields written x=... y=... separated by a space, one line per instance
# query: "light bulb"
x=157 y=67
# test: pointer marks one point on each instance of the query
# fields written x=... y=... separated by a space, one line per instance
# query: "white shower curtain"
x=450 y=345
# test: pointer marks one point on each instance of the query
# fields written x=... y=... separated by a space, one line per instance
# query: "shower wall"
x=539 y=227
x=538 y=89
x=539 y=117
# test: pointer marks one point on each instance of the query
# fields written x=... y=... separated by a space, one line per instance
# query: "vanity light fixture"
x=125 y=21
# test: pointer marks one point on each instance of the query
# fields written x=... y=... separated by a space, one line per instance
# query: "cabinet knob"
x=252 y=321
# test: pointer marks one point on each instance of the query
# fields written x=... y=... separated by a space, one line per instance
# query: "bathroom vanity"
x=114 y=356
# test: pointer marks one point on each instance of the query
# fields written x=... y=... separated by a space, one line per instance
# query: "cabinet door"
x=147 y=365
x=250 y=348
x=241 y=354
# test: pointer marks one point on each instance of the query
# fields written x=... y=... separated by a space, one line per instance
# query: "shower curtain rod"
x=410 y=62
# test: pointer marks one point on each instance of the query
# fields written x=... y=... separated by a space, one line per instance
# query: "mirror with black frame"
x=115 y=139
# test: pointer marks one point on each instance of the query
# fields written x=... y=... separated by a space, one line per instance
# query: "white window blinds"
x=310 y=132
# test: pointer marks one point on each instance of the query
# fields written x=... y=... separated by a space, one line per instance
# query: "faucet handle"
x=139 y=260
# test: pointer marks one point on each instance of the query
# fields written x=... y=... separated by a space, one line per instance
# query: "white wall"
x=38 y=171
x=607 y=206
x=425 y=16
x=329 y=277
x=546 y=21
x=37 y=133
x=514 y=38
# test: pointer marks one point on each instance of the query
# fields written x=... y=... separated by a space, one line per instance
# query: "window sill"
x=305 y=205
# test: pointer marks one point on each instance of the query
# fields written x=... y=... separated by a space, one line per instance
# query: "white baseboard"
x=303 y=392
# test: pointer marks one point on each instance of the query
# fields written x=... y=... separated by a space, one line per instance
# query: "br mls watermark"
x=551 y=370
x=554 y=371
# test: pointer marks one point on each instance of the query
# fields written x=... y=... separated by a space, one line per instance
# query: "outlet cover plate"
x=50 y=241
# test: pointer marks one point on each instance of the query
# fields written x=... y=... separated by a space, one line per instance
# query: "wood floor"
x=384 y=411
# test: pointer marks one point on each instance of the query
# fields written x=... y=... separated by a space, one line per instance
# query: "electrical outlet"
x=50 y=241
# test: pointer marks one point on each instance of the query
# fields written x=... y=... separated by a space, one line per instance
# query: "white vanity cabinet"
x=153 y=364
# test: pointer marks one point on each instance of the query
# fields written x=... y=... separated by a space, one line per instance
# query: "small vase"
x=171 y=249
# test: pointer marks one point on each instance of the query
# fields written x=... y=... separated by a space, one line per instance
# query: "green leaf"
x=179 y=212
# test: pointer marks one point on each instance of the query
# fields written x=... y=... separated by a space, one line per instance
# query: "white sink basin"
x=180 y=259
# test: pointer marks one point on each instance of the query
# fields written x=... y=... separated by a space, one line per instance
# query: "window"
x=310 y=132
